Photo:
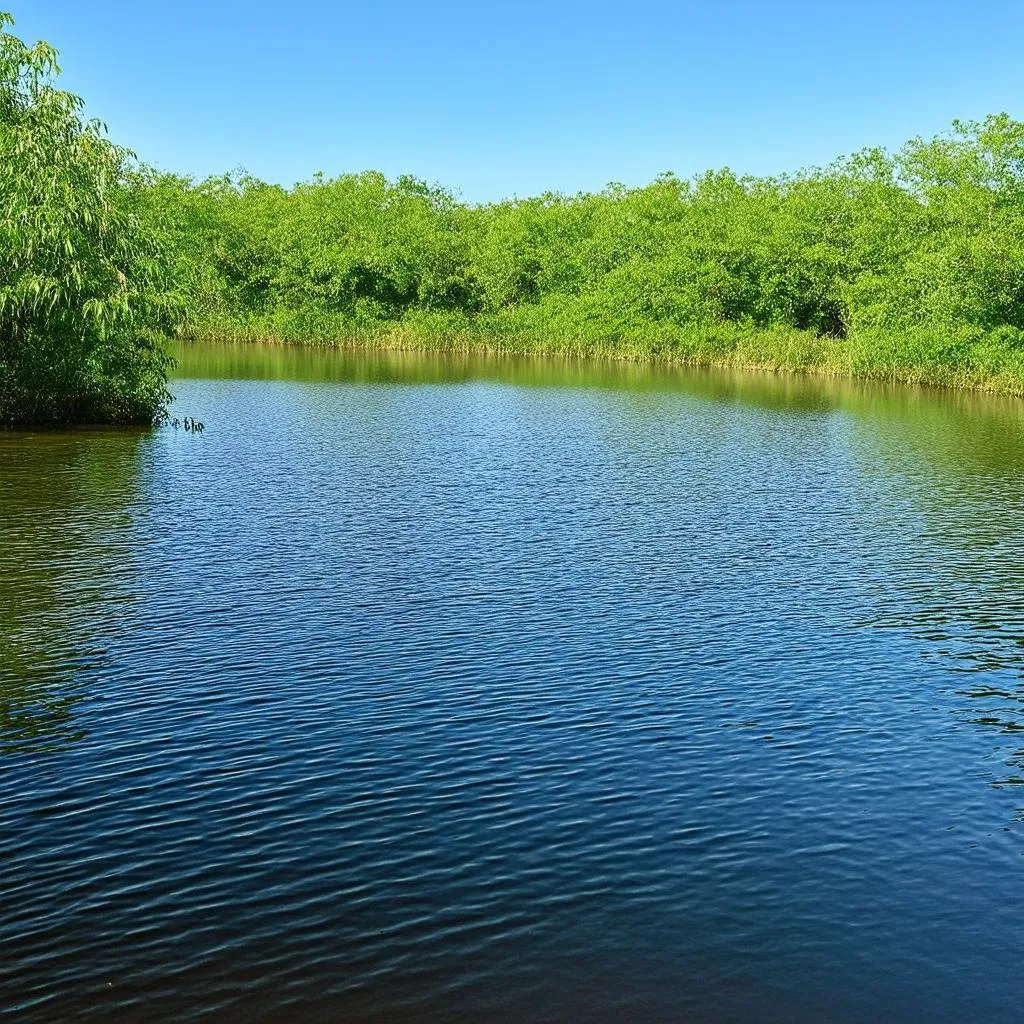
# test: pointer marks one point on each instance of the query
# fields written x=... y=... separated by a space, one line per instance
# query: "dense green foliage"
x=82 y=283
x=906 y=265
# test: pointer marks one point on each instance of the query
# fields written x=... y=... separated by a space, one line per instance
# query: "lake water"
x=423 y=687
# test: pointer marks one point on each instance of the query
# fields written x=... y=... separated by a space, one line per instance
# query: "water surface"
x=426 y=687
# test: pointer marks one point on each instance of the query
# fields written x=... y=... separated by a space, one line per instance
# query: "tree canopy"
x=83 y=286
x=908 y=264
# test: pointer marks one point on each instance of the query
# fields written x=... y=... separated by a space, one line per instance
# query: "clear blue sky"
x=496 y=99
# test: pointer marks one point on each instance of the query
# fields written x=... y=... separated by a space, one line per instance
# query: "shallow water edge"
x=785 y=352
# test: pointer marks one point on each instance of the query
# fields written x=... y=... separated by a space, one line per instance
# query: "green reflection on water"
x=64 y=516
x=956 y=459
x=67 y=501
x=978 y=417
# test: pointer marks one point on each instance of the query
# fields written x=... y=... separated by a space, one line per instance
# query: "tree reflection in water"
x=66 y=521
x=956 y=561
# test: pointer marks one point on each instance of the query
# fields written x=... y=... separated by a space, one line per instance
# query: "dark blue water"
x=434 y=689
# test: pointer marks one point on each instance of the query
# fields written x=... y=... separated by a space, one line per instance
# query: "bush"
x=83 y=287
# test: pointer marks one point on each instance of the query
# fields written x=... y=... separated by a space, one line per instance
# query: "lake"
x=426 y=687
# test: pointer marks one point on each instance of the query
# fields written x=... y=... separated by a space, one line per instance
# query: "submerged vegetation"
x=907 y=265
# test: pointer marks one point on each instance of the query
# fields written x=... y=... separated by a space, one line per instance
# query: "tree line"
x=908 y=265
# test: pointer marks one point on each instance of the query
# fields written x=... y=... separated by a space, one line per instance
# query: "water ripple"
x=469 y=699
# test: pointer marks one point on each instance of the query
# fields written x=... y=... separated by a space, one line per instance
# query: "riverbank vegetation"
x=83 y=285
x=906 y=265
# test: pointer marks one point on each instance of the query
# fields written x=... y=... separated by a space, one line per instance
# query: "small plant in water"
x=189 y=424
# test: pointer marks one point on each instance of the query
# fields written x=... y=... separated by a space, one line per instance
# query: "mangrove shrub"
x=82 y=282
x=906 y=264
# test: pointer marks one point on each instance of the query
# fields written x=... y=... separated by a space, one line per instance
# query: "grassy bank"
x=780 y=351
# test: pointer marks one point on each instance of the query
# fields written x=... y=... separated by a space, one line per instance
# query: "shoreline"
x=793 y=355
